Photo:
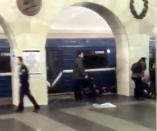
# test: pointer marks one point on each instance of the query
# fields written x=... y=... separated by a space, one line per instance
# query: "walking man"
x=24 y=87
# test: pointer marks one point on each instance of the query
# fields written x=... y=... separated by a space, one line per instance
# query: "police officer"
x=24 y=88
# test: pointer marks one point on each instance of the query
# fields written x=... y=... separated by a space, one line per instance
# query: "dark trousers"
x=139 y=89
x=78 y=86
x=153 y=88
x=24 y=91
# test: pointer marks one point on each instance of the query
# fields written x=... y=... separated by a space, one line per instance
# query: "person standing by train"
x=138 y=69
x=24 y=87
x=79 y=75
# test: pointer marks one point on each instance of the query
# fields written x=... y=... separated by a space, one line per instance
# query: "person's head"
x=80 y=54
x=20 y=60
x=142 y=60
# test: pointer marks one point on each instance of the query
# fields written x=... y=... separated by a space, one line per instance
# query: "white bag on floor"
x=105 y=105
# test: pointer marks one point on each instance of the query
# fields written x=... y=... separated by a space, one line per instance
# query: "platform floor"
x=69 y=115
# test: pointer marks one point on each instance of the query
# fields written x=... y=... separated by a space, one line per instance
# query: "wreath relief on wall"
x=144 y=11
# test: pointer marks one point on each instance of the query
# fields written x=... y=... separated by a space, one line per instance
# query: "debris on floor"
x=104 y=105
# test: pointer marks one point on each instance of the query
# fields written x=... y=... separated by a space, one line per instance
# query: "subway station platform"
x=69 y=115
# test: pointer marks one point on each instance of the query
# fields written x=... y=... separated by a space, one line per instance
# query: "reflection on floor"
x=68 y=115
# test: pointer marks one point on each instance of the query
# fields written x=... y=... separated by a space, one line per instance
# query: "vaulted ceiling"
x=78 y=20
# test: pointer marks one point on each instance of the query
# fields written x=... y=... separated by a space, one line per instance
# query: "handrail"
x=6 y=74
x=86 y=70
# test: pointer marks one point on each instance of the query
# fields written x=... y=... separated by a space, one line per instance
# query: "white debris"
x=104 y=105
x=38 y=129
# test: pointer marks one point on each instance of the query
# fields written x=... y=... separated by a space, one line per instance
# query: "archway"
x=122 y=69
x=122 y=45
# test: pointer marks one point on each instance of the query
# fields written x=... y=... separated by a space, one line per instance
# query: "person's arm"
x=24 y=74
x=81 y=68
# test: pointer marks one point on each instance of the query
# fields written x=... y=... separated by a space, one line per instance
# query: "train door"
x=152 y=66
x=61 y=57
x=54 y=70
x=5 y=73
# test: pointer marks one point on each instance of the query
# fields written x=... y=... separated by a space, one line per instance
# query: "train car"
x=60 y=57
x=99 y=62
x=5 y=70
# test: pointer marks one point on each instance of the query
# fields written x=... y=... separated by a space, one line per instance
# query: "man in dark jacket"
x=79 y=75
x=24 y=87
x=138 y=69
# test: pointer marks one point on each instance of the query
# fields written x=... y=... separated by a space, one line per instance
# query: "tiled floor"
x=68 y=115
x=13 y=125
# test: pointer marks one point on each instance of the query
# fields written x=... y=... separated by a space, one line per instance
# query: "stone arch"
x=8 y=32
x=122 y=44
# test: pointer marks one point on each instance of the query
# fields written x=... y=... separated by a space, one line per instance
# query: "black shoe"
x=140 y=98
x=154 y=97
x=36 y=109
x=19 y=110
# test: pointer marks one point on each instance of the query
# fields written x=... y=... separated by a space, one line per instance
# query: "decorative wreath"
x=144 y=11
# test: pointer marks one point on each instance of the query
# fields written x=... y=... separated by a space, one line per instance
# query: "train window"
x=5 y=62
x=95 y=61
